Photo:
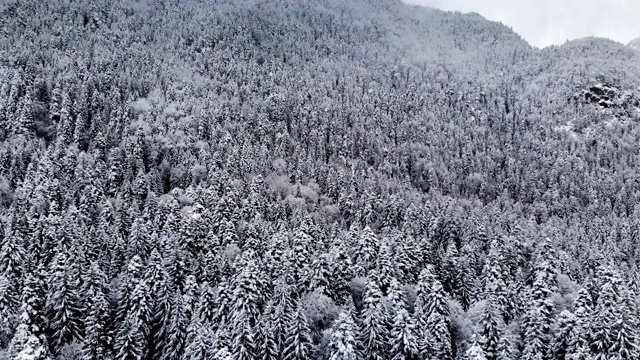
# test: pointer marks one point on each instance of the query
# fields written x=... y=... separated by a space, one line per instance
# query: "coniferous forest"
x=312 y=179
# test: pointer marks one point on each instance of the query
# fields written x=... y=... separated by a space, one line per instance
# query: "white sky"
x=549 y=22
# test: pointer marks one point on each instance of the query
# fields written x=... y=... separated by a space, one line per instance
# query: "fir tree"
x=242 y=344
x=565 y=333
x=488 y=334
x=8 y=305
x=198 y=341
x=297 y=344
x=404 y=340
x=475 y=351
x=342 y=341
x=538 y=319
x=133 y=335
x=267 y=348
x=374 y=327
x=63 y=304
x=579 y=345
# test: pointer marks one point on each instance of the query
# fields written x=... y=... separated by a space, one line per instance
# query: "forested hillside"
x=312 y=179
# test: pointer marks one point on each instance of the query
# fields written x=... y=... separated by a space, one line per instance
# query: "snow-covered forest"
x=312 y=179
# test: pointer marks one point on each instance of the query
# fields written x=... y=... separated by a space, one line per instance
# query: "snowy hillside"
x=363 y=179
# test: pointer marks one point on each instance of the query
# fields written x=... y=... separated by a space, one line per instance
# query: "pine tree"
x=625 y=331
x=341 y=273
x=465 y=278
x=297 y=344
x=475 y=351
x=247 y=295
x=25 y=345
x=366 y=249
x=156 y=275
x=66 y=124
x=171 y=336
x=98 y=338
x=537 y=320
x=29 y=338
x=132 y=278
x=404 y=340
x=395 y=296
x=612 y=332
x=281 y=314
x=163 y=311
x=189 y=297
x=32 y=303
x=605 y=318
x=320 y=275
x=506 y=348
x=579 y=345
x=408 y=257
x=276 y=254
x=223 y=304
x=342 y=341
x=223 y=354
x=495 y=276
x=130 y=341
x=564 y=335
x=243 y=346
x=206 y=304
x=25 y=122
x=488 y=334
x=385 y=268
x=8 y=305
x=63 y=307
x=432 y=312
x=198 y=341
x=299 y=260
x=138 y=242
x=374 y=327
x=267 y=349
x=12 y=259
x=132 y=337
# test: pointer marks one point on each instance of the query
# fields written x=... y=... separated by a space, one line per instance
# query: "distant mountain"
x=635 y=44
x=312 y=179
x=579 y=63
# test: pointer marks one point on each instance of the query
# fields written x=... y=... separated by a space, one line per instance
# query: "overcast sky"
x=548 y=22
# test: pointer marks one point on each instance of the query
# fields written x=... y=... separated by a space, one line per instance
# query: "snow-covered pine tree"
x=374 y=324
x=297 y=343
x=342 y=340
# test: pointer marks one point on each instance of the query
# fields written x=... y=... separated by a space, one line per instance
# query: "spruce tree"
x=537 y=320
x=133 y=333
x=403 y=337
x=342 y=341
x=579 y=345
x=488 y=333
x=565 y=333
x=198 y=341
x=475 y=351
x=297 y=344
x=374 y=325
x=243 y=346
x=63 y=306
x=266 y=346
x=8 y=305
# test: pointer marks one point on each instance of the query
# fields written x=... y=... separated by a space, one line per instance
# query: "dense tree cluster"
x=311 y=180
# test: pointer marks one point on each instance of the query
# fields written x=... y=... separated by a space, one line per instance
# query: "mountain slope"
x=312 y=179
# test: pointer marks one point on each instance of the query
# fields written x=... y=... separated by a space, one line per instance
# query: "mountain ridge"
x=255 y=179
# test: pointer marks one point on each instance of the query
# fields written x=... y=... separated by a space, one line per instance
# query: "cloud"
x=549 y=22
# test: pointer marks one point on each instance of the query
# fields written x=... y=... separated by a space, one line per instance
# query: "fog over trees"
x=312 y=179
